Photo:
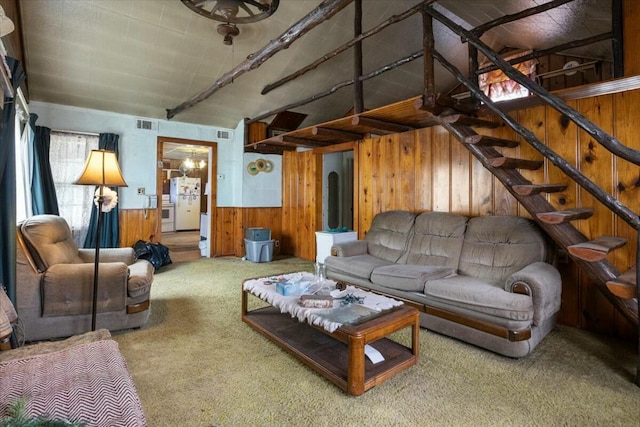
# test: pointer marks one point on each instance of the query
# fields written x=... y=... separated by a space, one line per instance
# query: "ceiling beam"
x=335 y=133
x=323 y=12
x=481 y=29
x=340 y=85
x=380 y=126
x=551 y=50
x=395 y=18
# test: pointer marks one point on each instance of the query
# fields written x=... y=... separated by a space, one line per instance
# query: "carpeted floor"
x=197 y=364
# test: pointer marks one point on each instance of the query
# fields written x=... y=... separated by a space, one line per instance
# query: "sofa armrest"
x=126 y=255
x=356 y=247
x=543 y=283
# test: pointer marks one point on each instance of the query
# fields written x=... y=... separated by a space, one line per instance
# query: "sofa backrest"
x=494 y=247
x=437 y=239
x=49 y=239
x=390 y=234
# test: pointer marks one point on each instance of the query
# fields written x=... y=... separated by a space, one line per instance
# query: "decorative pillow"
x=408 y=277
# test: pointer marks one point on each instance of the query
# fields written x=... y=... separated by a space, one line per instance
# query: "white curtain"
x=67 y=155
x=24 y=169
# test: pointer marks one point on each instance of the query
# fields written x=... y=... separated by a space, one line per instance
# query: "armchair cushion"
x=50 y=241
x=67 y=288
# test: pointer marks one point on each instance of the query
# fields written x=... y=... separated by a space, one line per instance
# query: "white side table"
x=324 y=241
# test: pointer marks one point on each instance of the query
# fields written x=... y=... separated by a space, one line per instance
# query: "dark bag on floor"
x=156 y=253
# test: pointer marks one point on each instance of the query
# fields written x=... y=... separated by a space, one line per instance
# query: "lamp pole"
x=96 y=261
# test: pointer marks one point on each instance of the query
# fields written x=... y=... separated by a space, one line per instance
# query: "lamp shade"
x=102 y=168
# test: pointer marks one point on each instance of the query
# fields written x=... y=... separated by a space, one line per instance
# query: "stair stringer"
x=564 y=234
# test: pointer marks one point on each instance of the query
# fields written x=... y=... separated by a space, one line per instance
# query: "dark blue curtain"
x=110 y=234
x=43 y=190
x=8 y=184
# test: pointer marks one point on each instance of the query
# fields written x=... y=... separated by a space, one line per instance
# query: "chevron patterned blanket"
x=89 y=383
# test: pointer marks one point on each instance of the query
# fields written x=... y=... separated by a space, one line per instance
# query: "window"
x=499 y=87
x=67 y=155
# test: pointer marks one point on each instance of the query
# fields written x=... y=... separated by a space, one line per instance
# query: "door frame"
x=212 y=179
x=347 y=146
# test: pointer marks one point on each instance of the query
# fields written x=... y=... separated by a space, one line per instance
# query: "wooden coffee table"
x=339 y=356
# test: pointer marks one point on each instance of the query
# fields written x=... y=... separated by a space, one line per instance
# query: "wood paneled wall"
x=301 y=202
x=231 y=224
x=429 y=170
x=138 y=224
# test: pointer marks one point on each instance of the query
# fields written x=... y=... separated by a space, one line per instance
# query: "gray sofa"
x=484 y=280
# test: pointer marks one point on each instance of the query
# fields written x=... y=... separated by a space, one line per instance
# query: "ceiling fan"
x=232 y=12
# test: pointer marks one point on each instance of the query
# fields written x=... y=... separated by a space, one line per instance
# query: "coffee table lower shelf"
x=339 y=356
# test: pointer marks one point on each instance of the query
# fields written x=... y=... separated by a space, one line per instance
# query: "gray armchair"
x=54 y=283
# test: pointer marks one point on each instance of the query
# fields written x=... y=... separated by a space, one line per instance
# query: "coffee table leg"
x=415 y=337
x=355 y=370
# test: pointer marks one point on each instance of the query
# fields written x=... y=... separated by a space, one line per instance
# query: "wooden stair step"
x=461 y=119
x=490 y=141
x=559 y=217
x=624 y=286
x=512 y=163
x=596 y=249
x=529 y=189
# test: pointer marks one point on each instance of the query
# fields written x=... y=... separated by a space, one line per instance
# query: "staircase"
x=620 y=288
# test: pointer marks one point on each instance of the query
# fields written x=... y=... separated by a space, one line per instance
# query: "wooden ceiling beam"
x=380 y=126
x=481 y=29
x=304 y=142
x=395 y=18
x=323 y=12
x=338 y=86
x=341 y=135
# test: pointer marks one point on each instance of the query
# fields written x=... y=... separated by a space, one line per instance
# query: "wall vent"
x=224 y=135
x=143 y=124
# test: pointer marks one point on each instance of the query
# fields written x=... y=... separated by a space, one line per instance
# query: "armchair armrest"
x=67 y=288
x=543 y=283
x=356 y=247
x=126 y=255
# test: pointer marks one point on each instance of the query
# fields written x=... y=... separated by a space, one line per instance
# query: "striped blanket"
x=89 y=383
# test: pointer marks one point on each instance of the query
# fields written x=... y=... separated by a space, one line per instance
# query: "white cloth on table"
x=290 y=304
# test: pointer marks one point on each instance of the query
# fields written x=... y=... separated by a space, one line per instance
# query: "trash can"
x=259 y=250
x=203 y=245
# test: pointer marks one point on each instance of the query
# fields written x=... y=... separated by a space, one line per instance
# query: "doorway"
x=337 y=190
x=186 y=181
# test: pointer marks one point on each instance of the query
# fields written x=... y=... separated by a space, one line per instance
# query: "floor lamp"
x=101 y=169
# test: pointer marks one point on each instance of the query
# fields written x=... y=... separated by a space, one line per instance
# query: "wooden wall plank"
x=631 y=28
x=441 y=171
x=596 y=163
x=460 y=178
x=423 y=169
x=503 y=202
x=137 y=224
x=407 y=172
x=534 y=120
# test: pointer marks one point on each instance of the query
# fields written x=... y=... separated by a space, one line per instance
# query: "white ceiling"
x=142 y=57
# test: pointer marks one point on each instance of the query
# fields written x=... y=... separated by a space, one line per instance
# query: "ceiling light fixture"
x=232 y=12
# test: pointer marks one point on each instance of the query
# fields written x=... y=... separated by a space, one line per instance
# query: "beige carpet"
x=197 y=364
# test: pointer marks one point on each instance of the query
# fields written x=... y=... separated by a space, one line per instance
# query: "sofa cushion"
x=495 y=247
x=358 y=266
x=390 y=234
x=480 y=296
x=50 y=241
x=408 y=277
x=437 y=239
